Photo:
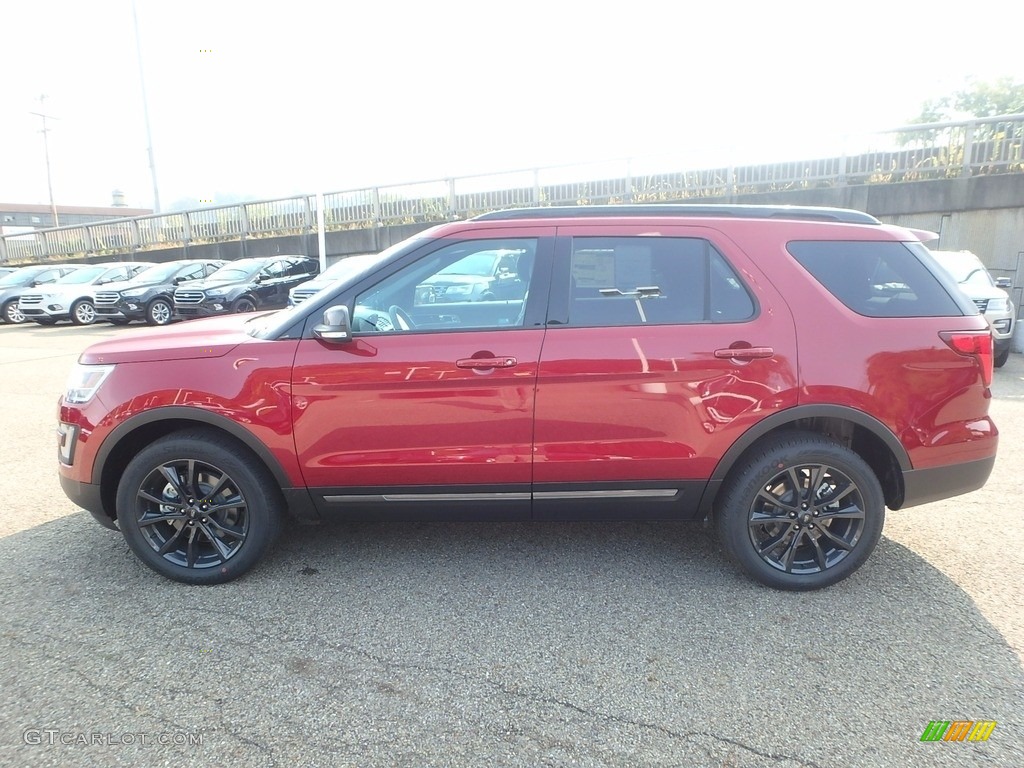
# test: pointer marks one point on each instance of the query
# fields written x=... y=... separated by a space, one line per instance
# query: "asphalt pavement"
x=440 y=644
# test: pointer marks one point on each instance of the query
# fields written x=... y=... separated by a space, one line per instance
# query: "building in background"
x=16 y=218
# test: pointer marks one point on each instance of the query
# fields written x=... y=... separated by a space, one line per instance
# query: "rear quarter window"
x=879 y=279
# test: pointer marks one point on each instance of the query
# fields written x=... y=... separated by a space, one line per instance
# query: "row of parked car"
x=155 y=293
x=160 y=293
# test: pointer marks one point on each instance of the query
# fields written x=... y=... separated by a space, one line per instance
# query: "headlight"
x=84 y=381
x=216 y=294
x=134 y=293
x=998 y=305
x=459 y=290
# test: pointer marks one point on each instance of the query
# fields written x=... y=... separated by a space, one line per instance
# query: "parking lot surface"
x=441 y=644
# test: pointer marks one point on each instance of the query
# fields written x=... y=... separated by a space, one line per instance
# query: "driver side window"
x=472 y=284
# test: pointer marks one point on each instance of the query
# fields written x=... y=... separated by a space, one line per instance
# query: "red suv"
x=787 y=372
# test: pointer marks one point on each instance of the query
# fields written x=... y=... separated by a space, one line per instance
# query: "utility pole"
x=46 y=147
x=145 y=111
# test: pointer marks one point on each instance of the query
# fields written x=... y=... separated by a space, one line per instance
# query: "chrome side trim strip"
x=649 y=493
x=428 y=497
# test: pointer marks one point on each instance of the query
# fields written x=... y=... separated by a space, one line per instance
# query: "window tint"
x=653 y=280
x=876 y=279
x=470 y=284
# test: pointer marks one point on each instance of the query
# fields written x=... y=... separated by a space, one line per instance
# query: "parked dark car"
x=785 y=373
x=150 y=295
x=245 y=285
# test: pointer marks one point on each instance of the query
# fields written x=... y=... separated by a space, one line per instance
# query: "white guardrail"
x=916 y=152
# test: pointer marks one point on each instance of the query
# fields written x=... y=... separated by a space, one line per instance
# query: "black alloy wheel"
x=803 y=512
x=196 y=507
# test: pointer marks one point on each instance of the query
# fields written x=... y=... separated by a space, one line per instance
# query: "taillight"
x=973 y=344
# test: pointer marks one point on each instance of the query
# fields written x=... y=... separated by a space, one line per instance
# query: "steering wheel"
x=400 y=318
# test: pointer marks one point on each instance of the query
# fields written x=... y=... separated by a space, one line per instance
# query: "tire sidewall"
x=746 y=480
x=261 y=496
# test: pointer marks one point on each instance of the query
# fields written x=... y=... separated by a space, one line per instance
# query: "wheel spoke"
x=152 y=520
x=817 y=479
x=233 y=532
x=796 y=482
x=790 y=553
x=169 y=544
x=851 y=512
x=190 y=478
x=171 y=475
x=775 y=501
x=230 y=504
x=161 y=502
x=190 y=552
x=767 y=546
x=223 y=550
x=224 y=480
x=819 y=553
x=842 y=544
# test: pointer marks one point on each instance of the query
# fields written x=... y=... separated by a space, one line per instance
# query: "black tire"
x=770 y=511
x=1001 y=358
x=244 y=304
x=12 y=314
x=83 y=312
x=212 y=522
x=159 y=312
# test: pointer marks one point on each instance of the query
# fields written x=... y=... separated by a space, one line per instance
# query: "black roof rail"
x=804 y=212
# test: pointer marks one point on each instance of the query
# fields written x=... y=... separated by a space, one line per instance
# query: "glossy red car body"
x=633 y=420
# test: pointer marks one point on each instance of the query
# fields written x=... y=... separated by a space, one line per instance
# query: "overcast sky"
x=252 y=98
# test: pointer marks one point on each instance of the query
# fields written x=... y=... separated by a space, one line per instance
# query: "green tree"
x=977 y=99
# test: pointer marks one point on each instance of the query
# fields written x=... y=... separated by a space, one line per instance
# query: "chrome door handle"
x=745 y=353
x=486 y=362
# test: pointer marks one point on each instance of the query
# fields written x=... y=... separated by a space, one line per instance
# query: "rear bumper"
x=922 y=486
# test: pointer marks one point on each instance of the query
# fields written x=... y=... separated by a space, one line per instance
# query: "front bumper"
x=87 y=496
x=207 y=308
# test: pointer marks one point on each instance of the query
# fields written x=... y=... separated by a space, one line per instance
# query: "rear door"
x=430 y=407
x=662 y=348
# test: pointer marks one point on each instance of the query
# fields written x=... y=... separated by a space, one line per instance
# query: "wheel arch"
x=868 y=437
x=128 y=438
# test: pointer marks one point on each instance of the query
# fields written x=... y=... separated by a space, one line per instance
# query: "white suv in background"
x=993 y=302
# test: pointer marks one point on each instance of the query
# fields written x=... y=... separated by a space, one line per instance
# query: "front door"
x=430 y=406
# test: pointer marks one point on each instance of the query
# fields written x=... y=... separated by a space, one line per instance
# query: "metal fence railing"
x=991 y=145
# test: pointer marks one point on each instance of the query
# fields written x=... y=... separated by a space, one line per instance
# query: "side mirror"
x=1004 y=282
x=336 y=327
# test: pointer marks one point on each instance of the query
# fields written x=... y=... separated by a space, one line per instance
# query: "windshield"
x=79 y=276
x=965 y=268
x=158 y=274
x=237 y=272
x=20 y=277
x=481 y=264
x=350 y=265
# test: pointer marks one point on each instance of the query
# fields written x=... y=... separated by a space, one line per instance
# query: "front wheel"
x=244 y=304
x=83 y=313
x=197 y=509
x=1001 y=358
x=159 y=312
x=12 y=314
x=801 y=512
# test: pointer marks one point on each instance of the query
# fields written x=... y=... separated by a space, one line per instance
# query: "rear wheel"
x=801 y=512
x=159 y=312
x=83 y=312
x=197 y=509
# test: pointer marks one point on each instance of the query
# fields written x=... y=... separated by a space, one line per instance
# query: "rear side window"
x=619 y=281
x=876 y=279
